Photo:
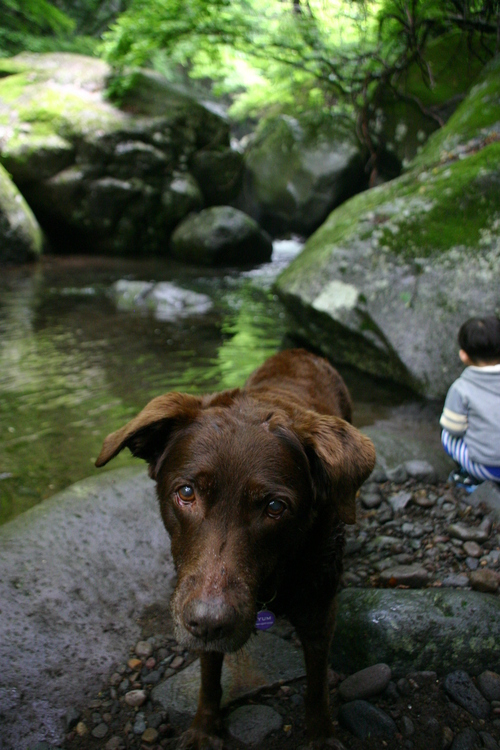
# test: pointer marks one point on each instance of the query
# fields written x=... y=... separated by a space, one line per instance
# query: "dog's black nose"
x=210 y=619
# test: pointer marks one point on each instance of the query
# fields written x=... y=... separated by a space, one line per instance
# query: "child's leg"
x=456 y=447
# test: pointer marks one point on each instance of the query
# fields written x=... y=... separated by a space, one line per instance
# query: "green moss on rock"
x=20 y=235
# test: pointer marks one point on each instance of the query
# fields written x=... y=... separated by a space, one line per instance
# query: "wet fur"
x=285 y=436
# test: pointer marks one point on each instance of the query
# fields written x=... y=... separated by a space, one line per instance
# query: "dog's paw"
x=197 y=739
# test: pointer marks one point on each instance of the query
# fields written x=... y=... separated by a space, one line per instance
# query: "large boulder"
x=99 y=177
x=221 y=235
x=295 y=175
x=20 y=235
x=386 y=282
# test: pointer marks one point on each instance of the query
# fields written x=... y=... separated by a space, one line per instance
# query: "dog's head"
x=240 y=487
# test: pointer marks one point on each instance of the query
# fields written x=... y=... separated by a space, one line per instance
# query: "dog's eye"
x=185 y=494
x=275 y=508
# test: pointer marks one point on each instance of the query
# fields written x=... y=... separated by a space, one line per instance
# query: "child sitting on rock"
x=471 y=415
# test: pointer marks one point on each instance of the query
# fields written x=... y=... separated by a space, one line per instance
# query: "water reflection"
x=73 y=366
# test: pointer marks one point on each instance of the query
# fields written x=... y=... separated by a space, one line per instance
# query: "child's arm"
x=454 y=416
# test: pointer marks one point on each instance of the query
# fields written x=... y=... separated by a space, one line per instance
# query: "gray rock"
x=422 y=471
x=455 y=580
x=93 y=569
x=414 y=630
x=400 y=501
x=488 y=741
x=264 y=660
x=398 y=474
x=488 y=683
x=100 y=731
x=295 y=176
x=467 y=739
x=165 y=300
x=485 y=580
x=366 y=683
x=72 y=718
x=366 y=721
x=489 y=494
x=370 y=495
x=252 y=724
x=407 y=726
x=20 y=234
x=101 y=176
x=378 y=475
x=468 y=533
x=219 y=175
x=385 y=282
x=461 y=688
x=220 y=235
x=414 y=576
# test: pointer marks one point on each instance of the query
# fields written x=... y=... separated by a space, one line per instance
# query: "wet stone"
x=365 y=683
x=150 y=736
x=365 y=720
x=460 y=687
x=251 y=724
x=152 y=678
x=456 y=580
x=135 y=698
x=488 y=683
x=467 y=739
x=114 y=743
x=378 y=475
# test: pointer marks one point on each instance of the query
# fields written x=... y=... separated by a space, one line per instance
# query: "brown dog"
x=254 y=487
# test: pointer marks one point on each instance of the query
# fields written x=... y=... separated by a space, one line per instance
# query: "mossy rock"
x=20 y=235
x=221 y=235
x=59 y=128
x=431 y=629
x=295 y=174
x=387 y=280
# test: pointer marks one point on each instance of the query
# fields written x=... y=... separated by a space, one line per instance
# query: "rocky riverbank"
x=412 y=533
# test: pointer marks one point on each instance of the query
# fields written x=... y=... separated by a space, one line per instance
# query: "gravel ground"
x=410 y=533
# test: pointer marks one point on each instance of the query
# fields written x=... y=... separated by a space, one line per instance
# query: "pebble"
x=72 y=718
x=177 y=662
x=143 y=649
x=462 y=690
x=424 y=499
x=399 y=501
x=135 y=698
x=81 y=729
x=414 y=576
x=251 y=724
x=422 y=471
x=467 y=739
x=489 y=684
x=488 y=741
x=378 y=475
x=456 y=580
x=397 y=475
x=469 y=533
x=100 y=731
x=134 y=664
x=114 y=743
x=150 y=736
x=485 y=580
x=365 y=683
x=365 y=720
x=473 y=549
x=152 y=678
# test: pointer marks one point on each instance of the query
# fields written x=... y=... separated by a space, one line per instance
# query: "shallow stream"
x=77 y=362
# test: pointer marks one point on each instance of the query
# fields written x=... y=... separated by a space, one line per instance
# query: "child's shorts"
x=456 y=447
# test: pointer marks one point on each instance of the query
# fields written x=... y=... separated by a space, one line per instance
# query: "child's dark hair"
x=480 y=339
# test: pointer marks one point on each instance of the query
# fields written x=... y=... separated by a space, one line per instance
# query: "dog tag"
x=265 y=620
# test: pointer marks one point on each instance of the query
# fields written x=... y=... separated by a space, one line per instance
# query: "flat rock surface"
x=77 y=572
x=265 y=660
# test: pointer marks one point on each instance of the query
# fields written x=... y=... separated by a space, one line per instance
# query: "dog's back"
x=296 y=377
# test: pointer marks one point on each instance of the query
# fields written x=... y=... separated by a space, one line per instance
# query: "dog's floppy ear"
x=147 y=433
x=345 y=455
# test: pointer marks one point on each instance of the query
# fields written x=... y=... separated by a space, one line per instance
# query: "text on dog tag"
x=265 y=620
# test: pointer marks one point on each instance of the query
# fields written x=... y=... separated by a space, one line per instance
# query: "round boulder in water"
x=218 y=236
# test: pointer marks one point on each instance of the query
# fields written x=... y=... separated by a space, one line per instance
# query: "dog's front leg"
x=316 y=635
x=206 y=728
